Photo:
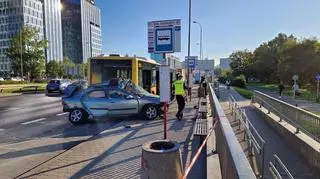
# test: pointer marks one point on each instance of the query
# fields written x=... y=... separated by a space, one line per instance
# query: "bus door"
x=158 y=82
x=146 y=80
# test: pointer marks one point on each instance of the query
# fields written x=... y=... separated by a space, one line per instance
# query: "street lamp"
x=195 y=22
x=21 y=63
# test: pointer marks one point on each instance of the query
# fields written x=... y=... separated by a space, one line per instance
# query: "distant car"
x=1 y=79
x=58 y=85
x=123 y=98
x=16 y=79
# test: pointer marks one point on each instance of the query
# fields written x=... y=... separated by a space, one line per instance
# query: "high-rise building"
x=52 y=29
x=13 y=15
x=225 y=63
x=81 y=30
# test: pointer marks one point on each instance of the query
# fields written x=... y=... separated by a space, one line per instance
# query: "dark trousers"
x=181 y=104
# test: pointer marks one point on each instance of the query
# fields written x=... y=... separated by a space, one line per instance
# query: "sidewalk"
x=274 y=144
x=307 y=105
x=116 y=152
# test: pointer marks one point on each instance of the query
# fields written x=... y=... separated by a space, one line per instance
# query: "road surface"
x=33 y=129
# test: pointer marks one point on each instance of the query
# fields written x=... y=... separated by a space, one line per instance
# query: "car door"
x=96 y=102
x=121 y=103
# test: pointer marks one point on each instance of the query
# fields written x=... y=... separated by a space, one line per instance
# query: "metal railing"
x=254 y=140
x=301 y=119
x=278 y=170
x=233 y=161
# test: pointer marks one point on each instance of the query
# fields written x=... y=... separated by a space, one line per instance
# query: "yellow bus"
x=141 y=71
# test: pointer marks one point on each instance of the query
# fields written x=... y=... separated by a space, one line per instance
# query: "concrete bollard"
x=161 y=159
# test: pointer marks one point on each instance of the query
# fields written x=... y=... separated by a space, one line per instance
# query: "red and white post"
x=165 y=109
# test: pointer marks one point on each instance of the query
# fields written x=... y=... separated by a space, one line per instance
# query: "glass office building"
x=81 y=30
x=53 y=30
x=13 y=15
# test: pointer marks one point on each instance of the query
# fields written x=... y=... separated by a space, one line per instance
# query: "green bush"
x=239 y=81
x=222 y=79
x=244 y=92
x=40 y=81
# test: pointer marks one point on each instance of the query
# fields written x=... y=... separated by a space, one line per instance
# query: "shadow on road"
x=57 y=94
x=38 y=150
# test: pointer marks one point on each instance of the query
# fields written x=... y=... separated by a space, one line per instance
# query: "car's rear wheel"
x=77 y=116
x=150 y=112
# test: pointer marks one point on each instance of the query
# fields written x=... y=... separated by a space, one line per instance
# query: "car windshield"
x=54 y=81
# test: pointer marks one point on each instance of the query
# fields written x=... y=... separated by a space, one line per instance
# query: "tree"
x=67 y=65
x=218 y=71
x=54 y=69
x=28 y=43
x=241 y=63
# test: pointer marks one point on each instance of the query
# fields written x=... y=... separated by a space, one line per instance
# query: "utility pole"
x=189 y=70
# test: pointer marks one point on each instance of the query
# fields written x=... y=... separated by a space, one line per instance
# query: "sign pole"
x=318 y=89
x=294 y=91
x=165 y=108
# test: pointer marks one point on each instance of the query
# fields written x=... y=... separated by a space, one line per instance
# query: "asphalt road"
x=33 y=129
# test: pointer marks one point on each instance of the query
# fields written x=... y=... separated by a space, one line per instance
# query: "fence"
x=299 y=118
x=233 y=161
x=255 y=142
x=278 y=170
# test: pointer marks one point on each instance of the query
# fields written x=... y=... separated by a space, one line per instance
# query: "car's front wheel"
x=150 y=112
x=77 y=116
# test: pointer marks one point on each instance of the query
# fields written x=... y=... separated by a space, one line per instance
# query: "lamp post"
x=21 y=64
x=195 y=22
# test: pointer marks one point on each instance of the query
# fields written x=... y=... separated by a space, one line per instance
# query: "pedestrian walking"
x=295 y=88
x=281 y=88
x=179 y=88
x=203 y=83
x=228 y=83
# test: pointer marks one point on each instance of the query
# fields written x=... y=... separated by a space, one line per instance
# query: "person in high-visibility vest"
x=179 y=88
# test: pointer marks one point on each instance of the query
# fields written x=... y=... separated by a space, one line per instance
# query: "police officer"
x=179 y=88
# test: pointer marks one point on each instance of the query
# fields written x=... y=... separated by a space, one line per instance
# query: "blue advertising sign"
x=164 y=40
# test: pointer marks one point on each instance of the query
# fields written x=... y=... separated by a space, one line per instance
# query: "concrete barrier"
x=233 y=161
x=161 y=159
x=307 y=147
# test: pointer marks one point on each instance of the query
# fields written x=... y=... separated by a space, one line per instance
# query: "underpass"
x=275 y=144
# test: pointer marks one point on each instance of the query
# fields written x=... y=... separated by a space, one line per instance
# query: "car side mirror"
x=129 y=97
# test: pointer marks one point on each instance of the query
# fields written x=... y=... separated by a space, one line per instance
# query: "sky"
x=228 y=25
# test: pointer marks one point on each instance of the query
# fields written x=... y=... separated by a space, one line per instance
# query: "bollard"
x=161 y=159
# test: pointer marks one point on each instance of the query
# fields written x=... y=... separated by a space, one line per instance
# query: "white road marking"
x=61 y=114
x=1 y=130
x=37 y=120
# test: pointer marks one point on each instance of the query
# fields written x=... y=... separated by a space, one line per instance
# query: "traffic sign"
x=318 y=76
x=164 y=40
x=295 y=77
x=192 y=61
x=175 y=30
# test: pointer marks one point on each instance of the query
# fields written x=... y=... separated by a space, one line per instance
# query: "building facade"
x=81 y=30
x=173 y=61
x=52 y=29
x=225 y=63
x=13 y=15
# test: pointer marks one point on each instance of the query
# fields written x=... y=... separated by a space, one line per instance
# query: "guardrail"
x=254 y=140
x=278 y=170
x=299 y=118
x=233 y=161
